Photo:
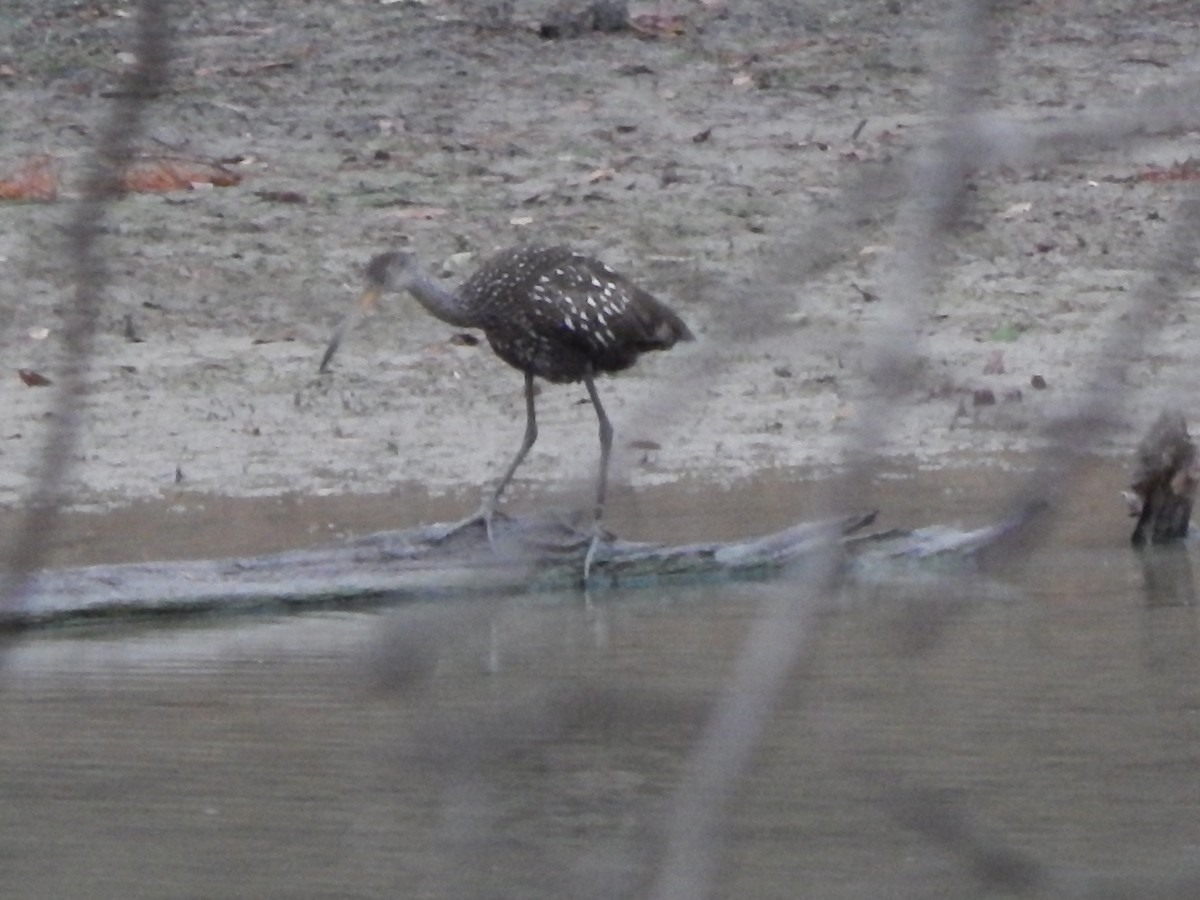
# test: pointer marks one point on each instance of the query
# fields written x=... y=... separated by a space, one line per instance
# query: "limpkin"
x=551 y=312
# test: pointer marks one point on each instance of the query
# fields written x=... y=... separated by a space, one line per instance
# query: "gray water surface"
x=531 y=747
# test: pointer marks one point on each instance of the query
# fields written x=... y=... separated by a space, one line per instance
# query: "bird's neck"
x=445 y=305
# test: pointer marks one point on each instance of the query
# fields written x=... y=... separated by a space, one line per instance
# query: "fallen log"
x=537 y=553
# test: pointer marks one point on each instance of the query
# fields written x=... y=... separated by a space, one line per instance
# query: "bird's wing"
x=585 y=303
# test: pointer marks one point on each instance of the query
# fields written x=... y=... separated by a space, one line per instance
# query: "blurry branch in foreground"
x=940 y=817
x=784 y=630
x=983 y=140
x=85 y=259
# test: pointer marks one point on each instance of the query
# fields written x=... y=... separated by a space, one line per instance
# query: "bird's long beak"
x=366 y=304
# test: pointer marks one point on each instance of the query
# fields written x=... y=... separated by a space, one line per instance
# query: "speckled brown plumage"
x=553 y=313
x=560 y=314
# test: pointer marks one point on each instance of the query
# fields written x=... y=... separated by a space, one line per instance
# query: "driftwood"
x=529 y=554
x=1164 y=482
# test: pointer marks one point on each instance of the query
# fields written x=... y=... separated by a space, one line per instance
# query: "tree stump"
x=1164 y=482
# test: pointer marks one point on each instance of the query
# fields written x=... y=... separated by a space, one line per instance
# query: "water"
x=531 y=748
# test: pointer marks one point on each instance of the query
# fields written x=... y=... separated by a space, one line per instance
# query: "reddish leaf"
x=1187 y=170
x=34 y=379
x=158 y=176
x=36 y=180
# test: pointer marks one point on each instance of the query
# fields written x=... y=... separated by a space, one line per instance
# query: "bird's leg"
x=606 y=435
x=488 y=509
x=531 y=433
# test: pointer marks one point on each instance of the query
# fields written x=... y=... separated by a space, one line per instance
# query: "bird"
x=551 y=312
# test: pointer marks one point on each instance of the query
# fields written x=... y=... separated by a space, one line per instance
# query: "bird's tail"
x=662 y=328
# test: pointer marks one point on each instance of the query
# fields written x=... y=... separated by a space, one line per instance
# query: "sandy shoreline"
x=717 y=168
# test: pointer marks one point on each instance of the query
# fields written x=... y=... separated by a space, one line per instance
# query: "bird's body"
x=575 y=315
x=551 y=312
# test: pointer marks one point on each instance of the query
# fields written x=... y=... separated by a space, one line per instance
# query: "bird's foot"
x=484 y=515
x=598 y=533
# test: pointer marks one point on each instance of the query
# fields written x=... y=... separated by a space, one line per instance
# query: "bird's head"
x=389 y=271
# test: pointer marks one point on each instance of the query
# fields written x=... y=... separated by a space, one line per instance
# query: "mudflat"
x=746 y=162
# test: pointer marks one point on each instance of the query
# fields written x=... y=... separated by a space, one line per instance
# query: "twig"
x=780 y=636
x=86 y=262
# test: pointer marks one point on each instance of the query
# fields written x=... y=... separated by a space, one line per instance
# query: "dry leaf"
x=158 y=176
x=1188 y=170
x=655 y=25
x=281 y=196
x=286 y=336
x=983 y=397
x=36 y=180
x=265 y=66
x=33 y=379
x=867 y=296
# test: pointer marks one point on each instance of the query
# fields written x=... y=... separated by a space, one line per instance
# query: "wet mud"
x=745 y=164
